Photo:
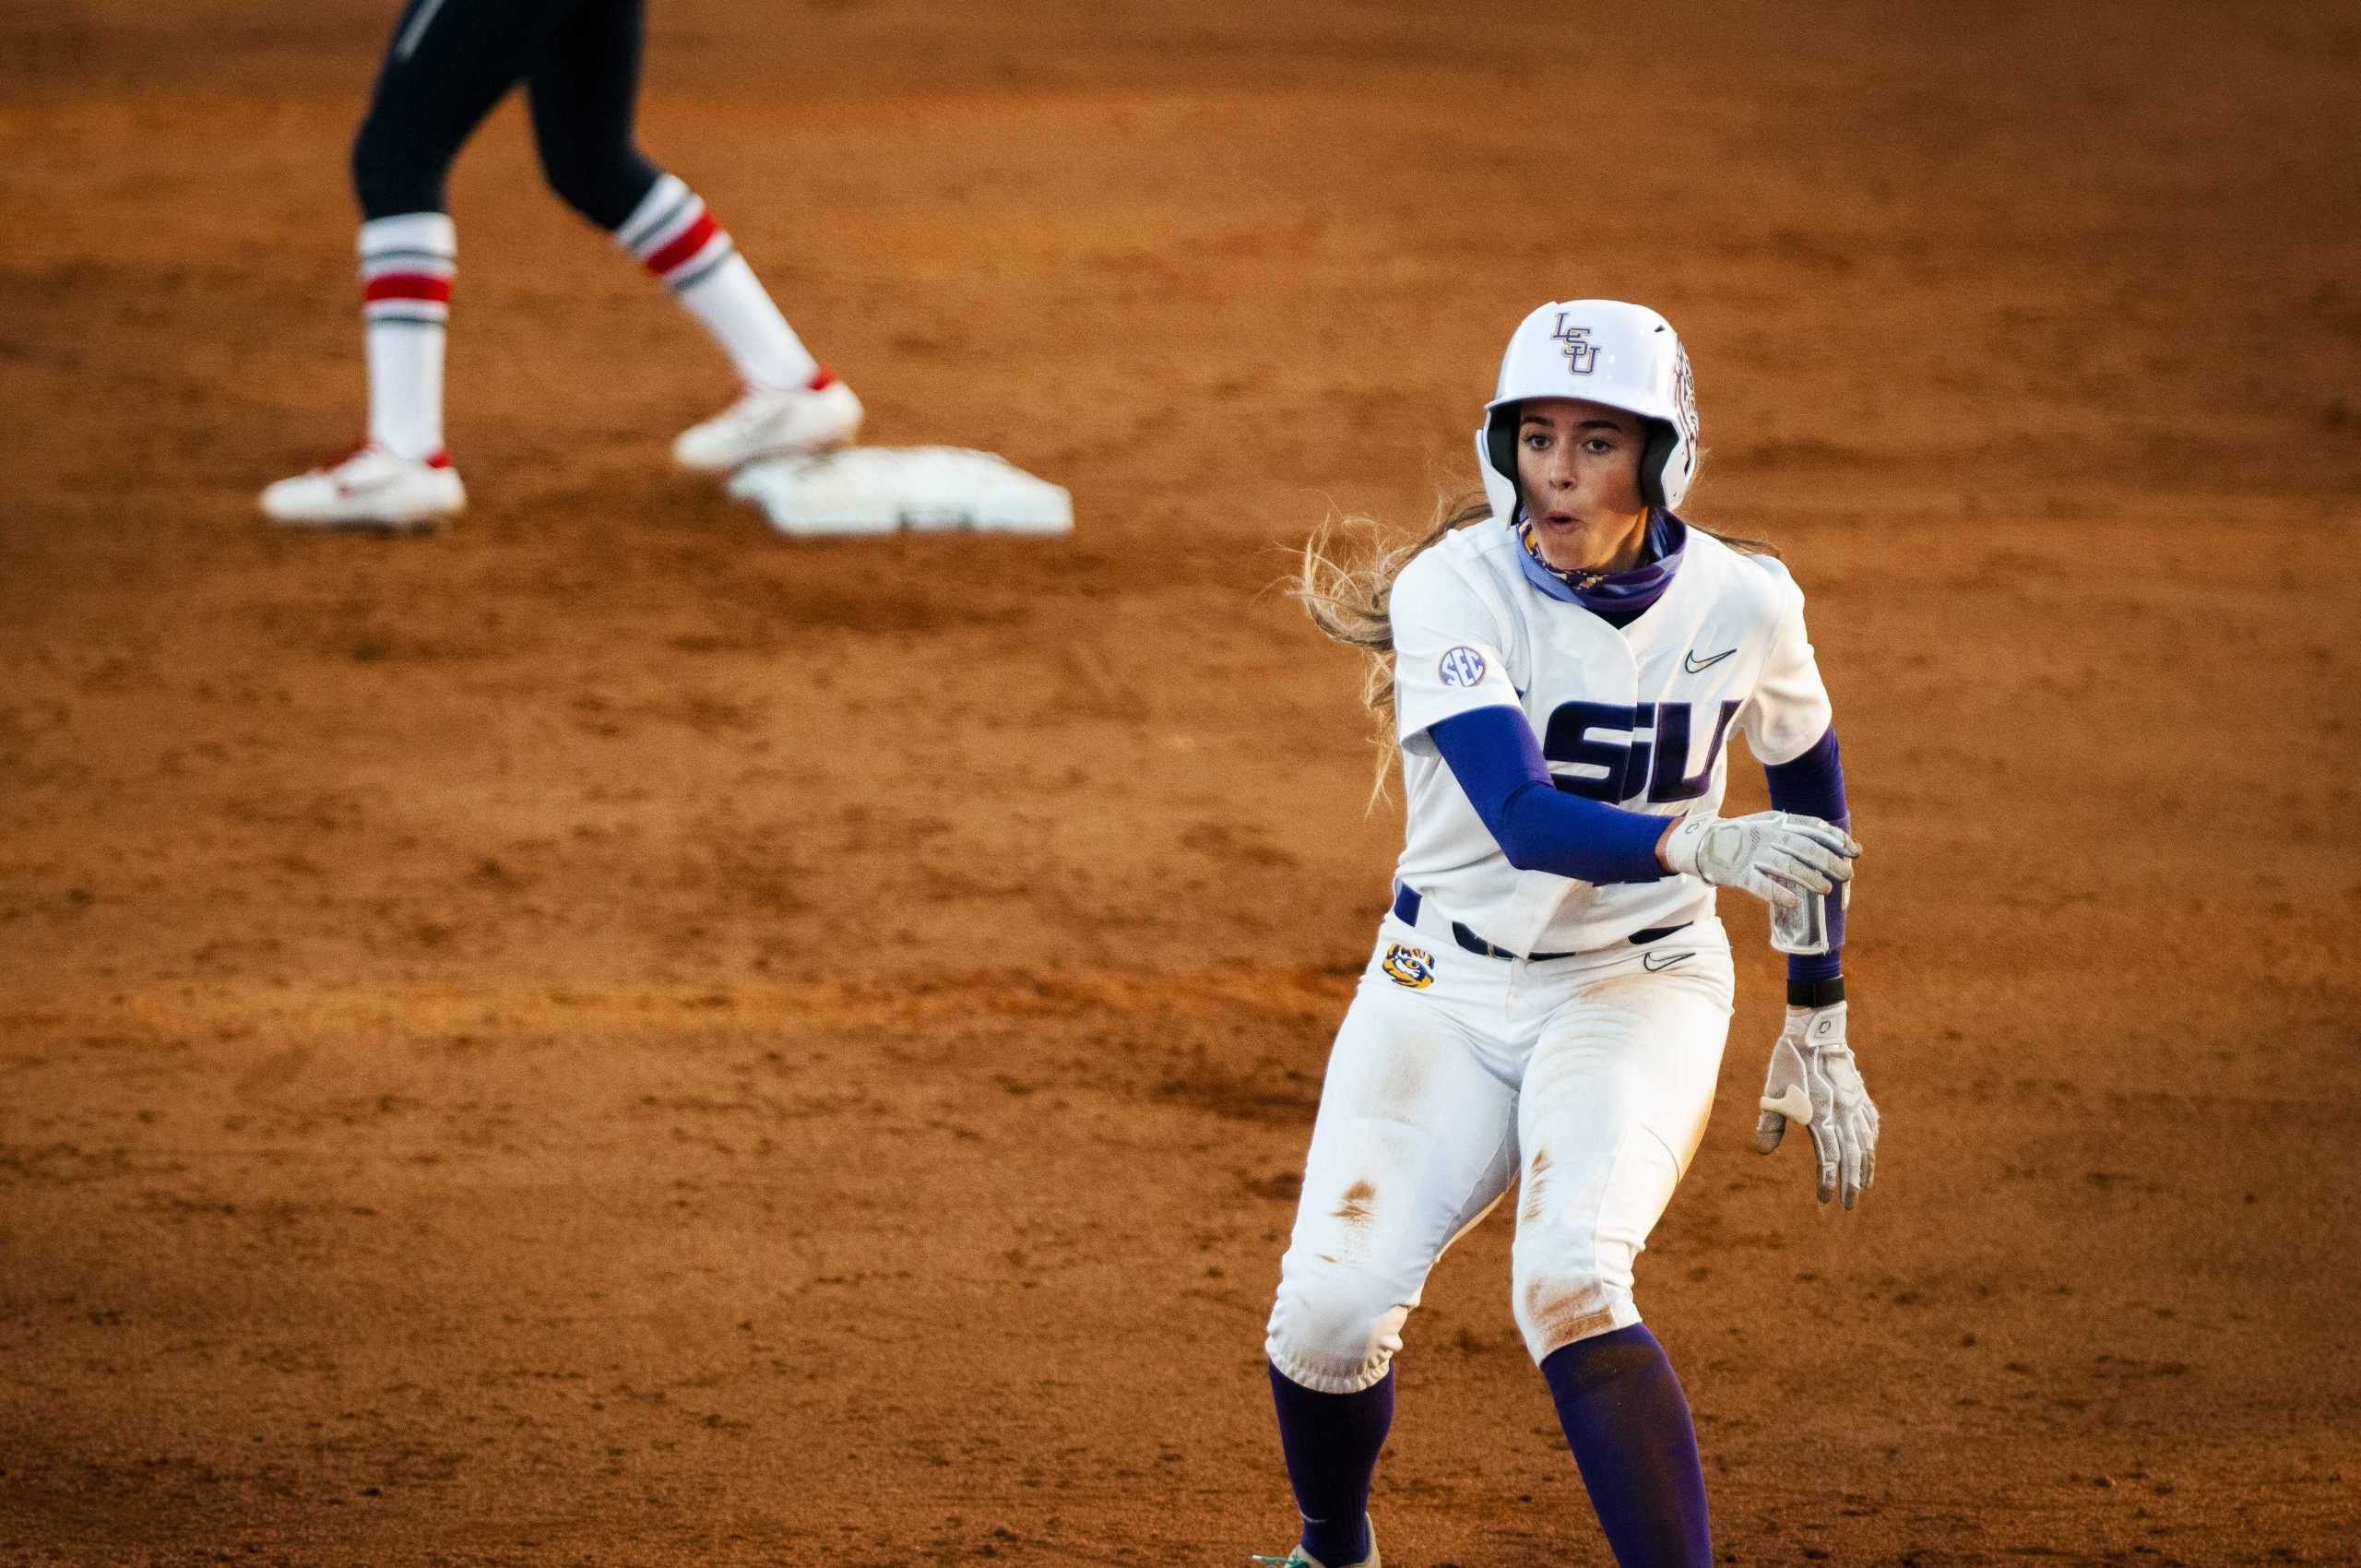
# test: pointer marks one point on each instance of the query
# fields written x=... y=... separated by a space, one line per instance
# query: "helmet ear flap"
x=1500 y=442
x=1655 y=458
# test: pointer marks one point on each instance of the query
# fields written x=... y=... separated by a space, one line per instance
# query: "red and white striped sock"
x=676 y=238
x=406 y=268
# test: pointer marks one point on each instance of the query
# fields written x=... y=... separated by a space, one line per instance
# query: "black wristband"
x=1816 y=994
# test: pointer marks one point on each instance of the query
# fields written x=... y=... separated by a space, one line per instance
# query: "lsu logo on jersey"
x=1644 y=750
x=1463 y=666
x=1582 y=356
x=1407 y=965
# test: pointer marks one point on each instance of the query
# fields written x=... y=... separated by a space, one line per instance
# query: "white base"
x=882 y=489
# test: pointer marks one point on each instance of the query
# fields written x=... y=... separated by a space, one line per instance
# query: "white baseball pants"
x=1588 y=1078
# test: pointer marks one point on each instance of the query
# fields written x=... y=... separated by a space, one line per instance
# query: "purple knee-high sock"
x=1332 y=1442
x=1628 y=1423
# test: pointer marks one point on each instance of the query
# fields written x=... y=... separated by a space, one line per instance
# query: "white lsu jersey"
x=1637 y=717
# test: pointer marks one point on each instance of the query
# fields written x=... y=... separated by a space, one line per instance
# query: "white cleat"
x=371 y=489
x=1300 y=1558
x=769 y=422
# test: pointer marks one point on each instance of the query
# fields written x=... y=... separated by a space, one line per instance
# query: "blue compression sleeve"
x=1814 y=785
x=1497 y=759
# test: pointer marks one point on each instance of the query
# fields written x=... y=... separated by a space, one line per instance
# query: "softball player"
x=449 y=63
x=1549 y=996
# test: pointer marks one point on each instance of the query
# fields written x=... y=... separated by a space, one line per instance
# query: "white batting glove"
x=1777 y=856
x=1813 y=1080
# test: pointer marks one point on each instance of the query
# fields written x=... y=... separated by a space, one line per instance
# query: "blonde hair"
x=1345 y=582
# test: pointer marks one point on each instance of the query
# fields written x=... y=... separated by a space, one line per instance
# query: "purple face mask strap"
x=1619 y=596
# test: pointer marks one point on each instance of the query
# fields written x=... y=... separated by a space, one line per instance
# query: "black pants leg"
x=582 y=86
x=448 y=65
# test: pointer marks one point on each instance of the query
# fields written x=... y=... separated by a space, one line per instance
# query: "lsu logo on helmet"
x=1582 y=355
x=1413 y=968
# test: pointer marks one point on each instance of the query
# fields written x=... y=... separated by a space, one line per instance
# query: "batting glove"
x=1777 y=856
x=1813 y=1080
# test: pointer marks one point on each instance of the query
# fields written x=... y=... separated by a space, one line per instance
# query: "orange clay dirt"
x=610 y=1037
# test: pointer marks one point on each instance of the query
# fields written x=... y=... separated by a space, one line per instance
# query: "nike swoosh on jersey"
x=1656 y=963
x=1697 y=666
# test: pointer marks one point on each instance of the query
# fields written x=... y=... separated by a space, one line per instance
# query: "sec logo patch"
x=1408 y=966
x=1462 y=666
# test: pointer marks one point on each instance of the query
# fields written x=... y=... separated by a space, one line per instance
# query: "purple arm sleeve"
x=1814 y=785
x=1497 y=759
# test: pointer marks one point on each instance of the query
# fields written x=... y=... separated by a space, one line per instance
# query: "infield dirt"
x=609 y=1037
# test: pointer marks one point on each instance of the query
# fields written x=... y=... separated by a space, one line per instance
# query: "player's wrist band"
x=1816 y=994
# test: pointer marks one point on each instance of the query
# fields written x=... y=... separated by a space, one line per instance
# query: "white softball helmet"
x=1606 y=351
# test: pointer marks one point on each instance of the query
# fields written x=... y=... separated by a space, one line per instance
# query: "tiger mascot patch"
x=1407 y=965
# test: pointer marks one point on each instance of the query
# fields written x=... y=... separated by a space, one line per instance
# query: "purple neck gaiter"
x=1617 y=598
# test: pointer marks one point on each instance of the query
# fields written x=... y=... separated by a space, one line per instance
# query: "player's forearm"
x=1813 y=784
x=1495 y=757
x=1546 y=830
